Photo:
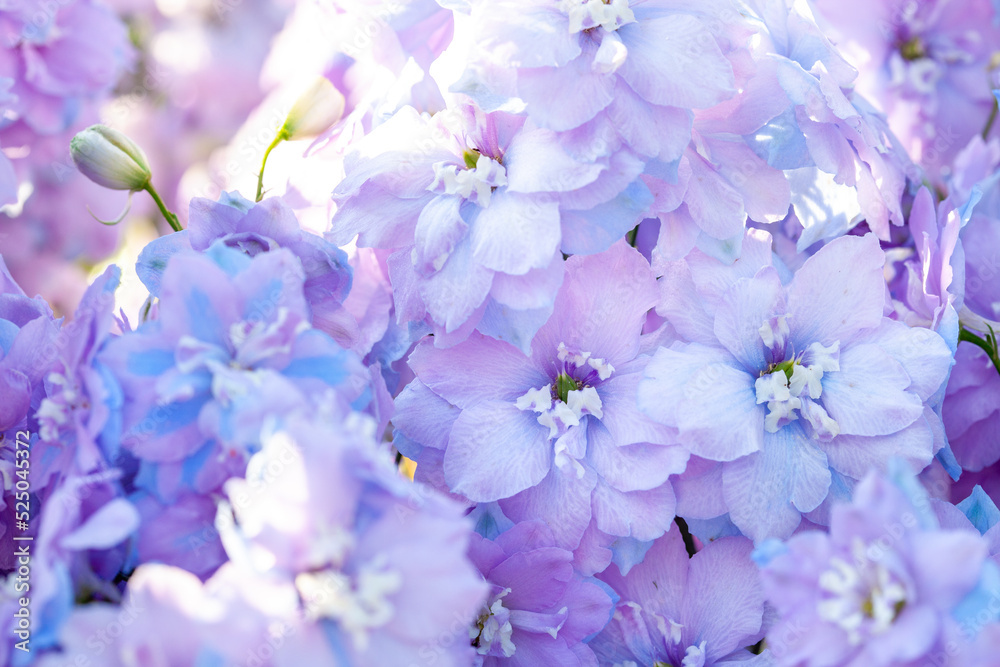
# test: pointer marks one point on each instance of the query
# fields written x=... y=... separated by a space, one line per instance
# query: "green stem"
x=281 y=136
x=172 y=220
x=632 y=236
x=985 y=345
x=991 y=119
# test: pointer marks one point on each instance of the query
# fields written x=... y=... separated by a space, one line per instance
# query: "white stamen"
x=865 y=596
x=603 y=368
x=474 y=184
x=358 y=608
x=593 y=13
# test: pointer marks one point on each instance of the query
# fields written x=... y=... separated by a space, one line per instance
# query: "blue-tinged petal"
x=856 y=455
x=535 y=289
x=440 y=228
x=562 y=501
x=272 y=282
x=923 y=354
x=713 y=203
x=718 y=416
x=744 y=309
x=868 y=395
x=724 y=603
x=198 y=299
x=536 y=162
x=424 y=416
x=454 y=293
x=767 y=491
x=593 y=231
x=644 y=515
x=837 y=292
x=516 y=233
x=622 y=418
x=517 y=327
x=661 y=390
x=636 y=467
x=476 y=370
x=659 y=132
x=154 y=257
x=683 y=307
x=495 y=451
x=980 y=510
x=565 y=97
x=675 y=61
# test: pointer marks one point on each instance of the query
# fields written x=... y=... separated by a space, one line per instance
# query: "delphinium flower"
x=232 y=344
x=605 y=75
x=254 y=228
x=169 y=617
x=926 y=64
x=82 y=545
x=378 y=563
x=793 y=390
x=873 y=590
x=556 y=435
x=971 y=411
x=478 y=208
x=28 y=336
x=77 y=418
x=538 y=608
x=695 y=611
x=834 y=145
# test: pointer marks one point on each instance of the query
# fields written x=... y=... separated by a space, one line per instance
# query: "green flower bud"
x=109 y=158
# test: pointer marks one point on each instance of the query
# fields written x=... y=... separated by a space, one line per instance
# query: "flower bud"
x=109 y=158
x=319 y=107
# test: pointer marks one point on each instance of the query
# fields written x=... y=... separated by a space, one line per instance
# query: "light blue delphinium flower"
x=555 y=435
x=794 y=390
x=887 y=586
x=698 y=611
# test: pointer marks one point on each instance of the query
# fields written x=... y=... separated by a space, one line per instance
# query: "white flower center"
x=475 y=184
x=864 y=597
x=358 y=608
x=493 y=626
x=564 y=402
x=588 y=14
x=793 y=386
x=54 y=412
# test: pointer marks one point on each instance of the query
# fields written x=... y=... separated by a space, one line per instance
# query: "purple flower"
x=253 y=229
x=232 y=344
x=795 y=390
x=538 y=608
x=555 y=435
x=926 y=65
x=78 y=416
x=873 y=591
x=606 y=75
x=378 y=563
x=478 y=208
x=699 y=612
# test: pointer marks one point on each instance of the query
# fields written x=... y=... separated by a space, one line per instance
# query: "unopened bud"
x=319 y=107
x=109 y=158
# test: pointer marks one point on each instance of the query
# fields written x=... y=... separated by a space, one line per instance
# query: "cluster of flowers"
x=633 y=335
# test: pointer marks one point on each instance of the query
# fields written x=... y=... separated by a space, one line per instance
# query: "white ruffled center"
x=589 y=14
x=793 y=386
x=475 y=184
x=359 y=604
x=493 y=626
x=863 y=595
